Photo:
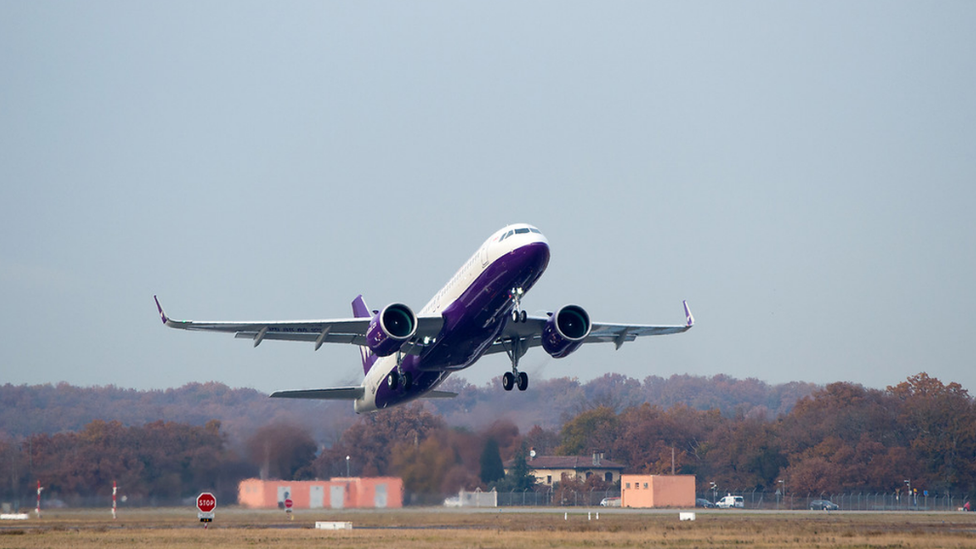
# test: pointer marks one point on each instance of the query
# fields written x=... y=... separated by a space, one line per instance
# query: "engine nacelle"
x=390 y=329
x=565 y=331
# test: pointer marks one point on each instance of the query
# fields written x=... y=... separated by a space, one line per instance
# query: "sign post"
x=288 y=505
x=38 y=508
x=206 y=503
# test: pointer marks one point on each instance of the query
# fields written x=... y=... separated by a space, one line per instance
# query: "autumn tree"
x=940 y=421
x=519 y=477
x=491 y=466
x=592 y=430
x=370 y=441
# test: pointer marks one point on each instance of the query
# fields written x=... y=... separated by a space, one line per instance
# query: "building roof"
x=568 y=462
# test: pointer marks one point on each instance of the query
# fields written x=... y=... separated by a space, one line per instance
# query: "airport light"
x=347 y=467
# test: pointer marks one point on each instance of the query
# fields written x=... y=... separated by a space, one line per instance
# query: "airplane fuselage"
x=475 y=305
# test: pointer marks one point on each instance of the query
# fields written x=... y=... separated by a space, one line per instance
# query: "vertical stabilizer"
x=360 y=310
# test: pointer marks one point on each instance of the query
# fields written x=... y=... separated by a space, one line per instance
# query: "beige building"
x=550 y=469
x=657 y=491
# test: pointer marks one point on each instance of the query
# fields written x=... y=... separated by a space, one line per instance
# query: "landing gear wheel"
x=523 y=381
x=393 y=380
x=406 y=380
x=524 y=317
x=508 y=381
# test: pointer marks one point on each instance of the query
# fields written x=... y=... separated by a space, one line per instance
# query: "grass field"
x=508 y=528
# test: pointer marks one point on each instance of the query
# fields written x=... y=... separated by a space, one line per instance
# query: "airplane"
x=479 y=312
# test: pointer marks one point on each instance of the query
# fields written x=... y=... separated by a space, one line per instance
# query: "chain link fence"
x=849 y=501
x=752 y=499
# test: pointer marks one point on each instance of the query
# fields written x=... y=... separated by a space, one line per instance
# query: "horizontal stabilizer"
x=333 y=393
x=439 y=394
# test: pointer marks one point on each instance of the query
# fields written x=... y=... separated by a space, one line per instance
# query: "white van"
x=729 y=502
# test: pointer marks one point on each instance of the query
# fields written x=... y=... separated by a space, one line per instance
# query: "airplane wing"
x=530 y=332
x=345 y=330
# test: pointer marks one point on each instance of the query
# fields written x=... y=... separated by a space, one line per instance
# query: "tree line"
x=29 y=409
x=842 y=437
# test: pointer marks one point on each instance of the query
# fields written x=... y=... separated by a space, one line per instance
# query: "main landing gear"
x=399 y=378
x=515 y=348
x=510 y=379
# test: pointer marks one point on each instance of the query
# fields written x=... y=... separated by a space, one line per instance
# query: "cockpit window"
x=534 y=230
x=521 y=231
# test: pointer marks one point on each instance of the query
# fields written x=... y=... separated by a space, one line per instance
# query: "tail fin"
x=360 y=310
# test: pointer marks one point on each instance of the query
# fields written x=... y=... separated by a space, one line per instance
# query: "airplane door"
x=379 y=500
x=484 y=256
x=316 y=495
x=337 y=496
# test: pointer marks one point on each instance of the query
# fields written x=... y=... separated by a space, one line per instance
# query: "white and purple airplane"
x=406 y=356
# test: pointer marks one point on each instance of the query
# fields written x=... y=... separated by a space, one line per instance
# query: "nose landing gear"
x=518 y=315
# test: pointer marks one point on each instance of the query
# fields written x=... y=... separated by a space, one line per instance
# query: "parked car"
x=730 y=501
x=610 y=502
x=823 y=505
x=702 y=502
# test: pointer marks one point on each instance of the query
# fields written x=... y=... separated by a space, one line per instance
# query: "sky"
x=803 y=173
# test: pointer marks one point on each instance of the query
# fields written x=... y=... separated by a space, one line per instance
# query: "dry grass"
x=421 y=529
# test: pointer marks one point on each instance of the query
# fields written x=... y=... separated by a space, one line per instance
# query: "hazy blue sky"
x=804 y=173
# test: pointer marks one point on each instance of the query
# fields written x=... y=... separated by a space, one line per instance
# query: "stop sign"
x=289 y=503
x=206 y=502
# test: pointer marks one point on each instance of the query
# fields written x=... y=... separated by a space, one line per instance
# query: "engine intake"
x=390 y=329
x=565 y=331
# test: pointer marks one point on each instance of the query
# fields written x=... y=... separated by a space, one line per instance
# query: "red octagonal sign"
x=206 y=502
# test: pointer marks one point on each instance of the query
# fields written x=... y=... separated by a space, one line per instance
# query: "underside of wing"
x=618 y=334
x=344 y=330
x=528 y=334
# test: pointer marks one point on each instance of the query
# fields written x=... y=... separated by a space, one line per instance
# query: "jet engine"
x=390 y=329
x=565 y=331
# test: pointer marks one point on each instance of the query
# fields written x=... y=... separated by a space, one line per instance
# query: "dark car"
x=702 y=502
x=823 y=505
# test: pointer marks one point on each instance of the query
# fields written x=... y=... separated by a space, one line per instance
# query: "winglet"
x=689 y=319
x=162 y=315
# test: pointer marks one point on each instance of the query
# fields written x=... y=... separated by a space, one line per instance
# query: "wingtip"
x=159 y=307
x=689 y=318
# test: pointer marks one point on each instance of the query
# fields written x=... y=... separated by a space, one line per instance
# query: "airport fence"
x=849 y=501
x=752 y=499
